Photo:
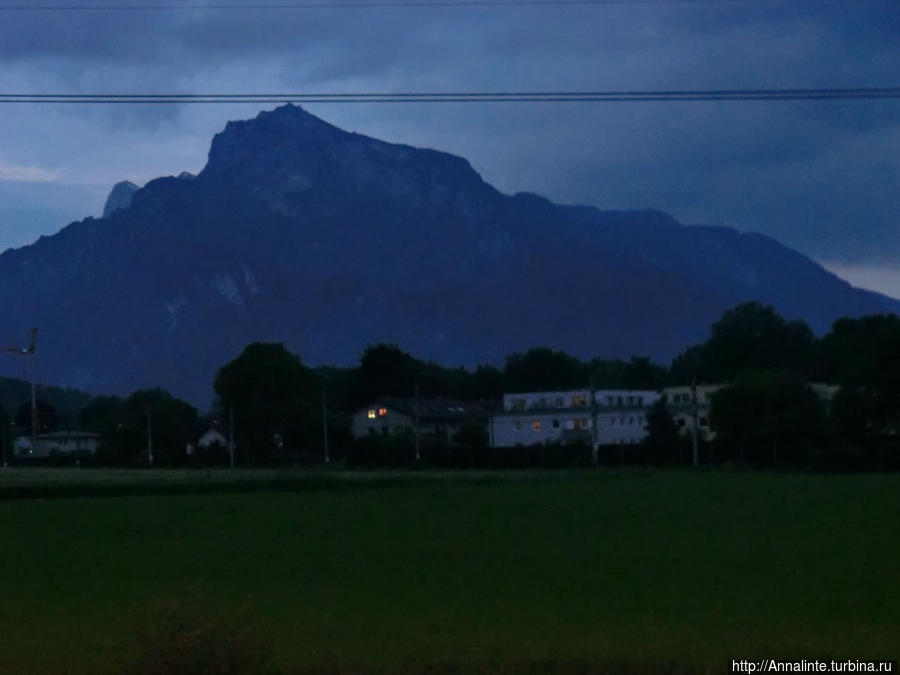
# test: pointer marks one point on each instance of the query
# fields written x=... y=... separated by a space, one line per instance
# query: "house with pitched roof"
x=442 y=417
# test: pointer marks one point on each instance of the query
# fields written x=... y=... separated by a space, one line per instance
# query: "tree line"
x=766 y=416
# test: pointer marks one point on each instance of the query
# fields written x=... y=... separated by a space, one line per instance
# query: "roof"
x=433 y=409
x=67 y=435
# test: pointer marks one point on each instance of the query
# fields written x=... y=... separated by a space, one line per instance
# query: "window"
x=581 y=423
x=610 y=400
x=579 y=401
x=517 y=404
x=681 y=421
x=704 y=422
x=372 y=414
x=542 y=403
x=631 y=421
x=619 y=401
x=382 y=412
x=556 y=424
x=517 y=425
x=560 y=401
x=536 y=425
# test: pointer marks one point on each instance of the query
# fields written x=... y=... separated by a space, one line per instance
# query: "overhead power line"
x=673 y=95
x=372 y=4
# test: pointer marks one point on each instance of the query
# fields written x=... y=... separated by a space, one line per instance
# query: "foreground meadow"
x=598 y=571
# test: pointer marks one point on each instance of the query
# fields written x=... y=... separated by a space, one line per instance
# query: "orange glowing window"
x=382 y=412
x=536 y=425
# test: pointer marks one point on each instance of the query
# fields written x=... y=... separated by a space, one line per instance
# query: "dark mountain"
x=297 y=231
x=119 y=198
x=14 y=393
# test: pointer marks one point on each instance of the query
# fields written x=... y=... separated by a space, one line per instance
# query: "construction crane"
x=25 y=351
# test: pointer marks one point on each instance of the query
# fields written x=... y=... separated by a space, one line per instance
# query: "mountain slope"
x=297 y=231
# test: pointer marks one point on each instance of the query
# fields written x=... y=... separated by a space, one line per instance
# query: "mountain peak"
x=287 y=156
x=271 y=137
x=119 y=197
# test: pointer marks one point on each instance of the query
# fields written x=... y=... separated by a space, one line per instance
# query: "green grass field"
x=598 y=571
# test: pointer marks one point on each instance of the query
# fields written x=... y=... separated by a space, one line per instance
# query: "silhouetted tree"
x=171 y=421
x=275 y=398
x=860 y=352
x=386 y=370
x=750 y=336
x=102 y=415
x=488 y=382
x=543 y=369
x=753 y=336
x=769 y=419
x=662 y=441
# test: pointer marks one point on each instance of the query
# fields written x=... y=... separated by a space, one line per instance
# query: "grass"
x=521 y=572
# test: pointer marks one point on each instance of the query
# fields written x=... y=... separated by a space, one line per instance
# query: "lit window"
x=371 y=414
x=536 y=425
x=579 y=401
x=382 y=412
x=581 y=423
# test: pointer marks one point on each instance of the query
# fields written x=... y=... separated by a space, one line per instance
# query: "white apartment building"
x=611 y=417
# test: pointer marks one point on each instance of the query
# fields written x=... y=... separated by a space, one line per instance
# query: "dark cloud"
x=818 y=175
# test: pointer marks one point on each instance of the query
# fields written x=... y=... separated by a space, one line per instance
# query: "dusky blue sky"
x=821 y=176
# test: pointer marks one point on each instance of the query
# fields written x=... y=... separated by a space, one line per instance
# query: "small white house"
x=210 y=437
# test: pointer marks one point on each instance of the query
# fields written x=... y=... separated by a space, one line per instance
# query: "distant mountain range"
x=299 y=232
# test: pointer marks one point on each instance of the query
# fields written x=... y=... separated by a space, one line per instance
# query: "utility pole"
x=595 y=437
x=34 y=417
x=149 y=439
x=695 y=413
x=416 y=421
x=26 y=351
x=325 y=426
x=231 y=436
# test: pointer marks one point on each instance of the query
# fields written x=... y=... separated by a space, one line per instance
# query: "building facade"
x=681 y=403
x=601 y=417
x=57 y=443
x=440 y=417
